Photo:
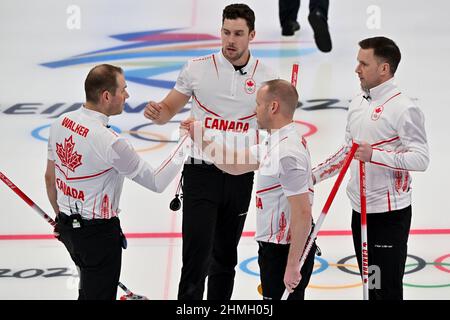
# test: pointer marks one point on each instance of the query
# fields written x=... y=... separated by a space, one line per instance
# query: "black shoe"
x=290 y=28
x=320 y=27
x=287 y=31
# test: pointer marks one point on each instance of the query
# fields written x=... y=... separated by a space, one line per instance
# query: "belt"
x=65 y=219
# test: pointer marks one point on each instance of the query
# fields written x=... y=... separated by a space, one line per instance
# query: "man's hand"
x=292 y=277
x=185 y=126
x=364 y=152
x=152 y=110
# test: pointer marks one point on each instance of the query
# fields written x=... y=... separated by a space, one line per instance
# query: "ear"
x=274 y=107
x=385 y=68
x=106 y=96
x=251 y=35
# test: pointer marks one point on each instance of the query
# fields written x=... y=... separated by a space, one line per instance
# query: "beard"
x=233 y=55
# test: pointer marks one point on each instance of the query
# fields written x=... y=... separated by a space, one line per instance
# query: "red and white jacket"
x=223 y=98
x=284 y=171
x=395 y=127
x=91 y=161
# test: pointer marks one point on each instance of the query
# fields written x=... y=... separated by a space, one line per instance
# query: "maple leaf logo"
x=250 y=86
x=377 y=113
x=65 y=153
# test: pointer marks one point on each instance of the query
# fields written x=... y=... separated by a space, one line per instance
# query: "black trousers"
x=96 y=250
x=288 y=9
x=215 y=206
x=387 y=236
x=272 y=260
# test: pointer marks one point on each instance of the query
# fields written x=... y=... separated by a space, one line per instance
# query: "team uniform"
x=394 y=126
x=285 y=170
x=215 y=203
x=91 y=161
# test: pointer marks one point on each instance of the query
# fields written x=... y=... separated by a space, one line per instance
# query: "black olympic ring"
x=421 y=263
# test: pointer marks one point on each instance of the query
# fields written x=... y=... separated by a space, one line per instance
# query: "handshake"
x=192 y=127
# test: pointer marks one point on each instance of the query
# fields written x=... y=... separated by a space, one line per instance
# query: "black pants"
x=96 y=249
x=272 y=260
x=387 y=236
x=215 y=206
x=288 y=9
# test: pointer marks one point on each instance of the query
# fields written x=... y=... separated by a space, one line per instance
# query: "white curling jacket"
x=91 y=162
x=394 y=126
x=224 y=98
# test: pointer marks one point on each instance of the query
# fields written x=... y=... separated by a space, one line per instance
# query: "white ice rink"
x=46 y=52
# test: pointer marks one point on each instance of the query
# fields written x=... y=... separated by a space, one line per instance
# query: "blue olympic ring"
x=244 y=266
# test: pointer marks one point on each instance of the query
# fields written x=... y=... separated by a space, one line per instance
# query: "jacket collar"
x=381 y=90
x=95 y=114
x=224 y=61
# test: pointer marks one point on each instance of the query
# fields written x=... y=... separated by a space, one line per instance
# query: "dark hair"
x=100 y=78
x=239 y=10
x=284 y=92
x=385 y=49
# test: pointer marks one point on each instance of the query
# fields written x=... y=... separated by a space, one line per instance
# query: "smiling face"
x=236 y=37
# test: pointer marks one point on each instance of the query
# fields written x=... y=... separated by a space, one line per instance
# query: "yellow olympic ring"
x=330 y=287
x=151 y=134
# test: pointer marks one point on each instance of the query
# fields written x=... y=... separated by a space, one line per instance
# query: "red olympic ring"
x=438 y=263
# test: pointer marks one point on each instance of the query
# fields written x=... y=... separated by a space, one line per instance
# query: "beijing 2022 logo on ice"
x=147 y=57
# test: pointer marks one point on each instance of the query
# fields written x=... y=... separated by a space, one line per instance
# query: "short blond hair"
x=283 y=92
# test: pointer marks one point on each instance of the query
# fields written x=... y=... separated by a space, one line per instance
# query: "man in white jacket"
x=284 y=188
x=86 y=166
x=223 y=87
x=390 y=130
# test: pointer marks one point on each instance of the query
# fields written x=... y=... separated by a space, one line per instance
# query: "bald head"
x=284 y=93
x=101 y=78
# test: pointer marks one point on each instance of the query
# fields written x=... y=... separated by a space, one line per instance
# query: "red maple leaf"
x=378 y=110
x=65 y=153
x=250 y=83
